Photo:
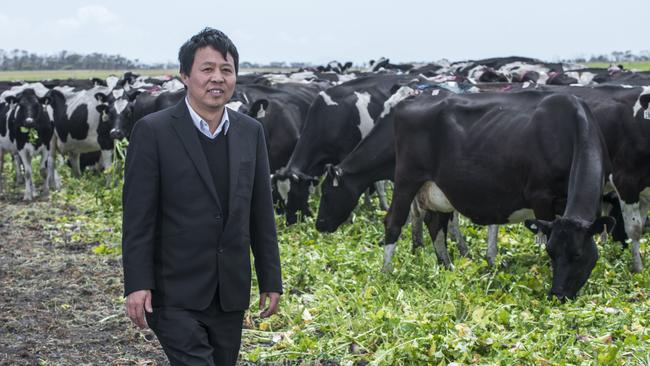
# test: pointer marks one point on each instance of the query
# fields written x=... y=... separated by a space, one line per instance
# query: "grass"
x=637 y=66
x=339 y=308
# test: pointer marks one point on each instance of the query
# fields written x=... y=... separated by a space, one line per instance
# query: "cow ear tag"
x=646 y=114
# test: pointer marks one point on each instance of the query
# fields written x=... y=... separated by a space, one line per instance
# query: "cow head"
x=116 y=110
x=294 y=188
x=29 y=109
x=560 y=78
x=338 y=199
x=572 y=250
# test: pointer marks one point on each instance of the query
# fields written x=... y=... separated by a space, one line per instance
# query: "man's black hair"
x=207 y=37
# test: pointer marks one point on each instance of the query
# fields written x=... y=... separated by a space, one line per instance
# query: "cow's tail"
x=589 y=165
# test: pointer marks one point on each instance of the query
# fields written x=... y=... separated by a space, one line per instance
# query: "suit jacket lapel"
x=235 y=150
x=188 y=135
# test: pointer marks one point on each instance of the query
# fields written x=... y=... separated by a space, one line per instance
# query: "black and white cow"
x=373 y=160
x=499 y=158
x=337 y=120
x=79 y=126
x=121 y=108
x=27 y=129
x=623 y=116
x=282 y=110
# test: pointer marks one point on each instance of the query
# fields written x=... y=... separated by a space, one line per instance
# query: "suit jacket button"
x=220 y=250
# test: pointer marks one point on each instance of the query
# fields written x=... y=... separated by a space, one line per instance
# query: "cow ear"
x=258 y=109
x=101 y=97
x=101 y=108
x=394 y=88
x=11 y=99
x=644 y=100
x=46 y=100
x=537 y=226
x=98 y=81
x=132 y=95
x=601 y=224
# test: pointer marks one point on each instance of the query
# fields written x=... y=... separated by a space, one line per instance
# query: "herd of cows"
x=504 y=140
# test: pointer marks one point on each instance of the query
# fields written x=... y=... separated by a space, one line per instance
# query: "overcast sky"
x=320 y=31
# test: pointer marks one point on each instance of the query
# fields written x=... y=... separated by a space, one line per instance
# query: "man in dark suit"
x=197 y=199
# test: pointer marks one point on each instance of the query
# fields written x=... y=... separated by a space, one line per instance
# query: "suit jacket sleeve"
x=264 y=242
x=140 y=208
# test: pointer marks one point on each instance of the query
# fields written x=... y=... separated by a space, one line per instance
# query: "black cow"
x=336 y=122
x=623 y=116
x=500 y=157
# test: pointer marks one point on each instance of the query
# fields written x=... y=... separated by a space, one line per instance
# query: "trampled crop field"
x=62 y=286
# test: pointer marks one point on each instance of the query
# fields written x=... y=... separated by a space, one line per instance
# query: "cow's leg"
x=454 y=226
x=26 y=160
x=50 y=179
x=435 y=222
x=74 y=164
x=367 y=202
x=416 y=217
x=491 y=253
x=2 y=165
x=105 y=160
x=634 y=217
x=20 y=178
x=54 y=175
x=396 y=217
x=381 y=192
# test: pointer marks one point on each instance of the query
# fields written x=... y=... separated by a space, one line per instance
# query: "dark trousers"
x=207 y=337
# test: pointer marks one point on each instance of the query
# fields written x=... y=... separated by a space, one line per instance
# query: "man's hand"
x=136 y=304
x=273 y=305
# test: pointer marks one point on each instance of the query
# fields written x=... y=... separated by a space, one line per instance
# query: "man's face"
x=211 y=82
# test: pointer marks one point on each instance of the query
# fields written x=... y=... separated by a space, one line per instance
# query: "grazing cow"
x=501 y=157
x=372 y=160
x=384 y=64
x=337 y=120
x=623 y=116
x=79 y=126
x=26 y=124
x=506 y=69
x=121 y=109
x=282 y=110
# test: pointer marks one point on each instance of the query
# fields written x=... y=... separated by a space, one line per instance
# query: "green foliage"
x=338 y=306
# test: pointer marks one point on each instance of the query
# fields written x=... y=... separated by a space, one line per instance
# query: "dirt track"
x=60 y=304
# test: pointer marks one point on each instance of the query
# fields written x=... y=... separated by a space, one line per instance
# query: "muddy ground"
x=61 y=304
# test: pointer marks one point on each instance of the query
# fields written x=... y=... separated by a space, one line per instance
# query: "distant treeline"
x=22 y=60
x=16 y=60
x=616 y=56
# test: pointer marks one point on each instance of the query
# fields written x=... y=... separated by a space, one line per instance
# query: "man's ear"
x=601 y=224
x=537 y=226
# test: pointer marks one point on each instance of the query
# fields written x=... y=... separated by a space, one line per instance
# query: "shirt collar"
x=202 y=125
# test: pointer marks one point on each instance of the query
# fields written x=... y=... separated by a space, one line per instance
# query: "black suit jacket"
x=174 y=238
